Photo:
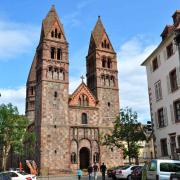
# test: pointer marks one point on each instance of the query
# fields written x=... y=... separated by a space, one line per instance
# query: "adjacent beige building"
x=163 y=75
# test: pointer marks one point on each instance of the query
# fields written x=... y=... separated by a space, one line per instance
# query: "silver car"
x=161 y=169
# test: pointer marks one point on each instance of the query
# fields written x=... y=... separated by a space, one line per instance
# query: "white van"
x=160 y=169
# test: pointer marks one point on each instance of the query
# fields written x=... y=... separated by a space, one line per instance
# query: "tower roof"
x=98 y=31
x=49 y=21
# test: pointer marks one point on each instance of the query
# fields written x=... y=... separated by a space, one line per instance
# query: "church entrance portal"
x=84 y=155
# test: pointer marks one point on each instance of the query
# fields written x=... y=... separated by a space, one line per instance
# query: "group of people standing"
x=93 y=172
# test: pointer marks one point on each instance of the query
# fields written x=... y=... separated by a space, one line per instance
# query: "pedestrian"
x=90 y=170
x=79 y=173
x=95 y=169
x=103 y=170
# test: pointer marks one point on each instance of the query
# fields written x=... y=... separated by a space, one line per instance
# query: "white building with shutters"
x=163 y=75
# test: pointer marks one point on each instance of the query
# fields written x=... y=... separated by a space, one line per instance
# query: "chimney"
x=176 y=17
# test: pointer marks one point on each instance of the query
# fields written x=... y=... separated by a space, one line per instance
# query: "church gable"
x=82 y=97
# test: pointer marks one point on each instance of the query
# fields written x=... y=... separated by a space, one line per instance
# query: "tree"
x=12 y=131
x=126 y=129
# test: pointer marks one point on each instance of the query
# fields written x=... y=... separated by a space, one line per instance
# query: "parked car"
x=161 y=169
x=125 y=172
x=17 y=175
x=175 y=176
x=137 y=173
x=4 y=176
x=110 y=170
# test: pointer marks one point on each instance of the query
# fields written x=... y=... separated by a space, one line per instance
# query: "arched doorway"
x=84 y=155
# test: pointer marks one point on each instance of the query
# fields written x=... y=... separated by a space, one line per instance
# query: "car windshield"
x=125 y=167
x=170 y=167
x=22 y=173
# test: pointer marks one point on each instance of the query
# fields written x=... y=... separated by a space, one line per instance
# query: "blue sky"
x=133 y=26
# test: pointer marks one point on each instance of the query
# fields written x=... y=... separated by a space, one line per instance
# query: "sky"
x=133 y=26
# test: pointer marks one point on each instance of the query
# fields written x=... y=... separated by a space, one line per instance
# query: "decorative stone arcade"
x=84 y=146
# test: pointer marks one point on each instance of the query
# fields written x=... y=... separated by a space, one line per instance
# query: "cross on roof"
x=82 y=77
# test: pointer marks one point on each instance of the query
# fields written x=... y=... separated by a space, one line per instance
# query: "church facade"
x=69 y=127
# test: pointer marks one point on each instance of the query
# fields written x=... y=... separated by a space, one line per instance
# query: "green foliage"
x=126 y=129
x=13 y=129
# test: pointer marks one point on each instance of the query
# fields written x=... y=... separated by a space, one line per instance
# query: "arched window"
x=96 y=157
x=108 y=46
x=59 y=54
x=55 y=94
x=52 y=33
x=104 y=62
x=73 y=158
x=83 y=100
x=55 y=33
x=59 y=35
x=52 y=52
x=61 y=74
x=109 y=63
x=84 y=118
x=102 y=44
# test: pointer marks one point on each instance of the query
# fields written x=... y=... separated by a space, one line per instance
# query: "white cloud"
x=15 y=96
x=132 y=76
x=16 y=39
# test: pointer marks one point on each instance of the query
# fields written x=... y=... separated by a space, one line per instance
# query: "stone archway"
x=84 y=155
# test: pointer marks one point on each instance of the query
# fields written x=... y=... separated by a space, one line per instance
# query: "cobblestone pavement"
x=70 y=178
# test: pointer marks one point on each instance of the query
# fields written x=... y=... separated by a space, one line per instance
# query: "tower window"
x=55 y=33
x=109 y=63
x=83 y=100
x=52 y=33
x=84 y=118
x=109 y=104
x=59 y=54
x=102 y=45
x=59 y=35
x=108 y=46
x=52 y=52
x=55 y=94
x=104 y=62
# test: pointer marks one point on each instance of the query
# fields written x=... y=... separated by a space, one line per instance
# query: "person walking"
x=90 y=170
x=95 y=169
x=79 y=174
x=103 y=171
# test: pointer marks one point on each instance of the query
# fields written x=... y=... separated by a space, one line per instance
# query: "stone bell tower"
x=51 y=97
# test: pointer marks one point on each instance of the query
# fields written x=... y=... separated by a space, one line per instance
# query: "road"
x=70 y=178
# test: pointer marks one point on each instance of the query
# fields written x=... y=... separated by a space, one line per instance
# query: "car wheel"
x=129 y=177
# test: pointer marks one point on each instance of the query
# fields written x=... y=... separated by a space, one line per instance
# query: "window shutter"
x=172 y=114
x=156 y=120
x=174 y=47
x=159 y=60
x=178 y=76
x=165 y=54
x=168 y=84
x=165 y=116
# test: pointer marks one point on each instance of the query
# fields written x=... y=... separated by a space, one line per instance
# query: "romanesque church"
x=68 y=127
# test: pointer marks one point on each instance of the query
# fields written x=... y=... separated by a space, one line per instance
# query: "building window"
x=59 y=35
x=83 y=100
x=55 y=94
x=96 y=157
x=59 y=54
x=103 y=62
x=161 y=121
x=158 y=91
x=169 y=50
x=73 y=158
x=173 y=80
x=52 y=52
x=109 y=63
x=178 y=140
x=55 y=33
x=109 y=104
x=52 y=33
x=84 y=118
x=155 y=64
x=177 y=110
x=164 y=150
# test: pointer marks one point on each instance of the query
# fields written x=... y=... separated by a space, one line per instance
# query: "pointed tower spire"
x=49 y=21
